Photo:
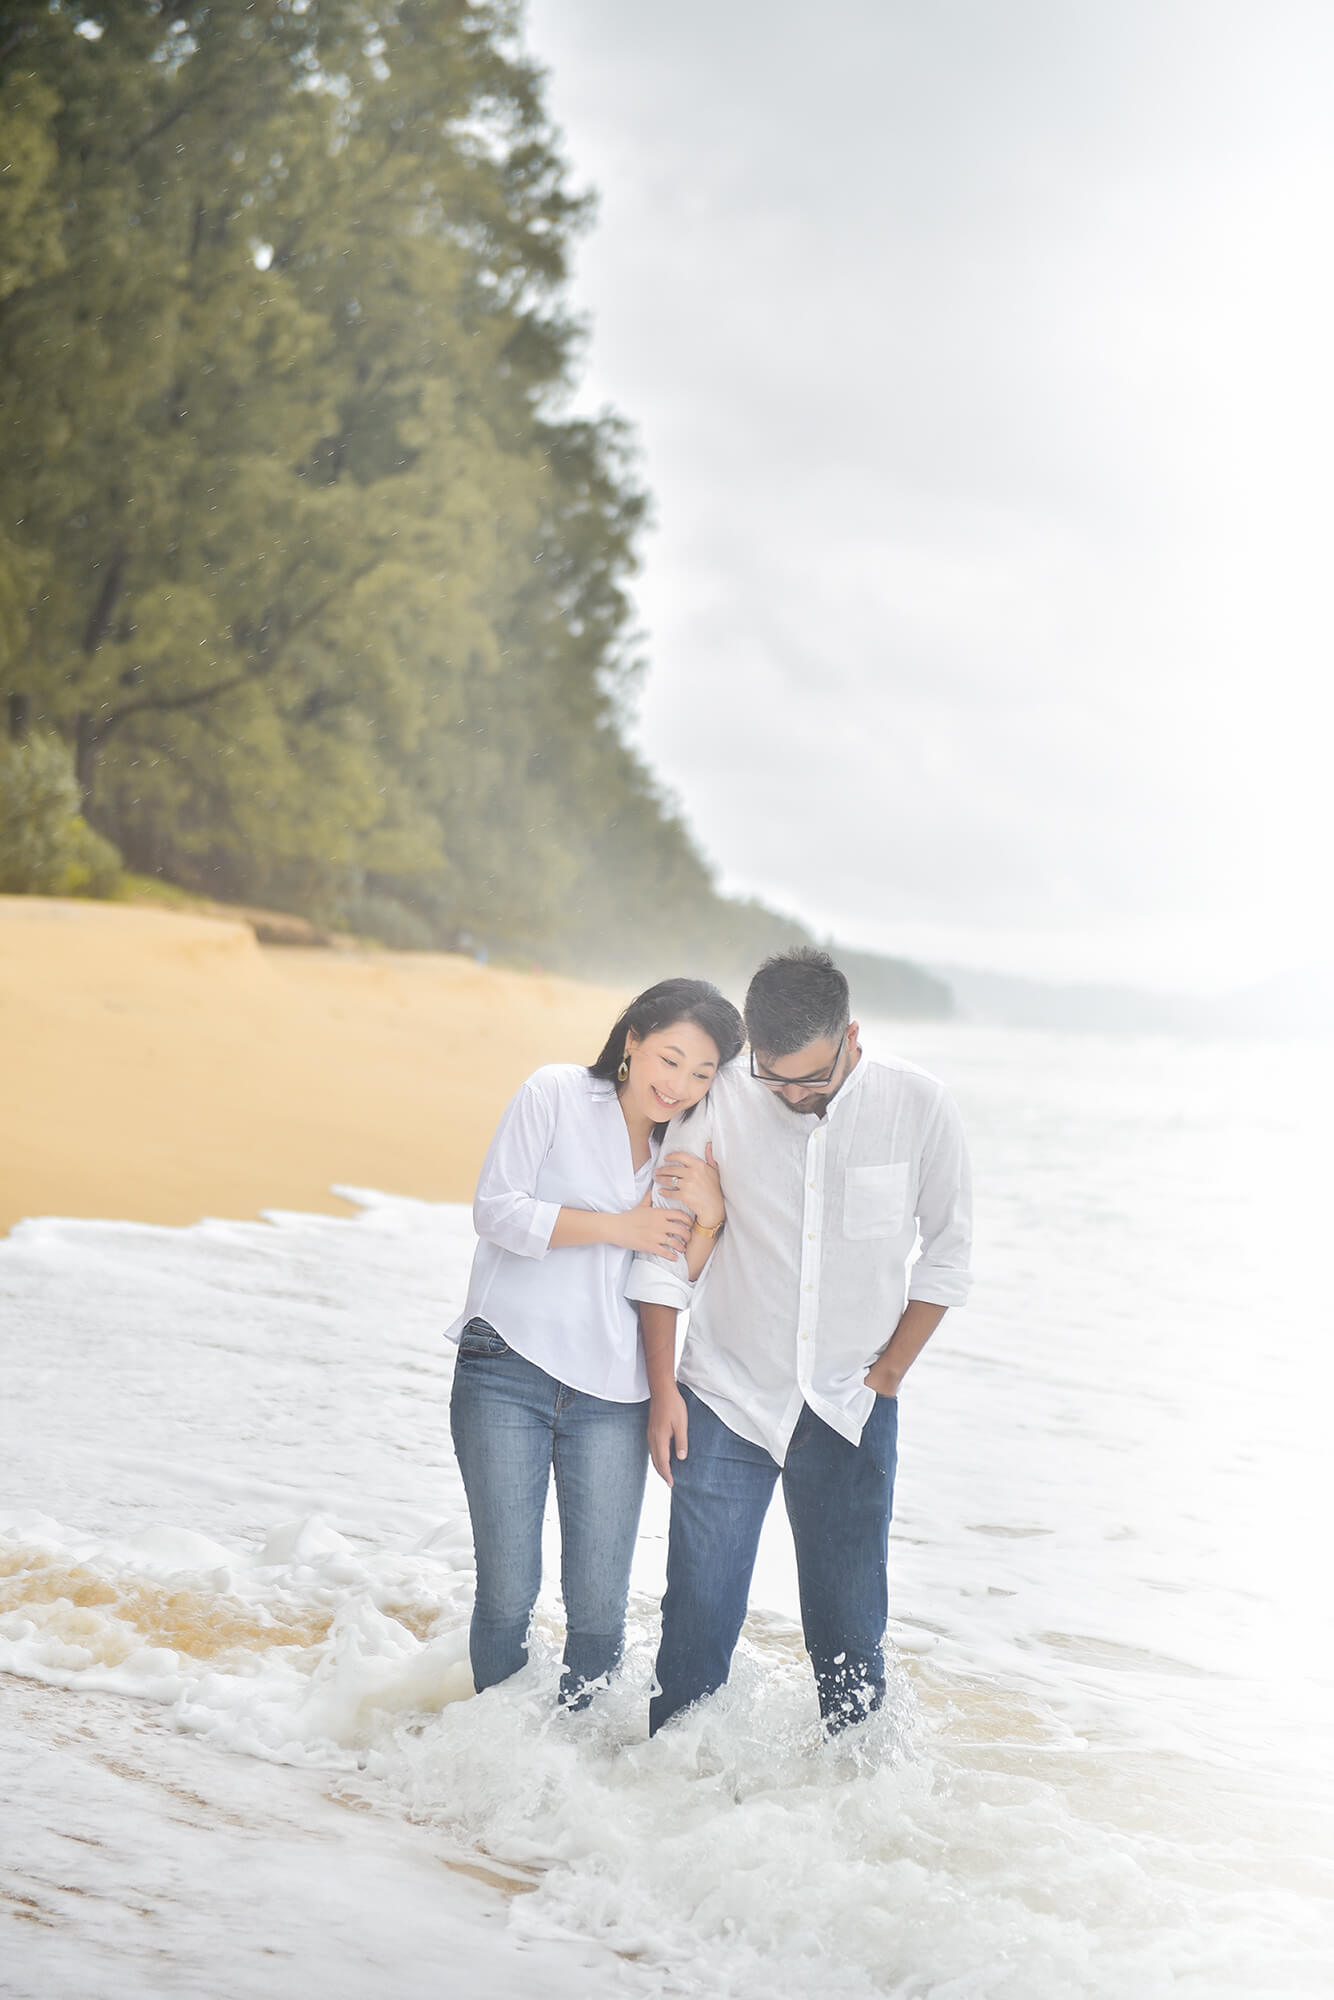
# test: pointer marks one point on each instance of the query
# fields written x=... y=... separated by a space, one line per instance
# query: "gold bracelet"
x=704 y=1230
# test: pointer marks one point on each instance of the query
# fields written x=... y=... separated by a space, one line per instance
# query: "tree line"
x=303 y=560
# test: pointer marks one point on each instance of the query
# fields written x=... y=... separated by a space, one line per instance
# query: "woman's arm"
x=507 y=1212
x=654 y=1232
x=698 y=1251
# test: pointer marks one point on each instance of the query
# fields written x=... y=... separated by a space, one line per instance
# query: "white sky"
x=982 y=354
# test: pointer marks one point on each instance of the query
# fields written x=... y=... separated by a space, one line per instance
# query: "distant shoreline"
x=1293 y=1004
x=162 y=1065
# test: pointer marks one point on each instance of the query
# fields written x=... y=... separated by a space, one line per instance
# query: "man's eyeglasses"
x=799 y=1082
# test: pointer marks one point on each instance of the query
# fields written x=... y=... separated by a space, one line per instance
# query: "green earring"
x=624 y=1071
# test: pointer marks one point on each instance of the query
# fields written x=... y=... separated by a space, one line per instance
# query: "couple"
x=825 y=1165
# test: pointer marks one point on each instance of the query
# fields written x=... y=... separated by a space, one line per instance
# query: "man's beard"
x=805 y=1106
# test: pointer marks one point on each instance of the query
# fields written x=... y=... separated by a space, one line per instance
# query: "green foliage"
x=46 y=848
x=299 y=554
x=278 y=445
x=30 y=239
x=94 y=863
x=385 y=920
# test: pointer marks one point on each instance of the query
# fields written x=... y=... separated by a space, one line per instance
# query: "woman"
x=550 y=1374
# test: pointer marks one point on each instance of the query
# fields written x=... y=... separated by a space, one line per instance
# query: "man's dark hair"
x=796 y=997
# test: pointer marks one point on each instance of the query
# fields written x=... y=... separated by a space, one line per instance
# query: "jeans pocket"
x=481 y=1342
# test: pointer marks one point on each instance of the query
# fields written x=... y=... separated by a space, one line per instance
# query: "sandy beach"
x=160 y=1067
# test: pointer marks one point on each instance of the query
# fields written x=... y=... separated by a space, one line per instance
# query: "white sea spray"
x=234 y=1500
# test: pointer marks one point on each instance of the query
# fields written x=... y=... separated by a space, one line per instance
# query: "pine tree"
x=277 y=434
x=299 y=555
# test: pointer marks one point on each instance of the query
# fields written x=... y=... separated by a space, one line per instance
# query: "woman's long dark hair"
x=672 y=1000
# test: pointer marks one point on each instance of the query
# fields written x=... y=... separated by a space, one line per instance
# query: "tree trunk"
x=19 y=709
x=96 y=629
x=85 y=752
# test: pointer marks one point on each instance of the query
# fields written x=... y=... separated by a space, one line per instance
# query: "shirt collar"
x=850 y=1083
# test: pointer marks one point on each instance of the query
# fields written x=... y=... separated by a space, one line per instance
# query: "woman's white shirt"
x=562 y=1143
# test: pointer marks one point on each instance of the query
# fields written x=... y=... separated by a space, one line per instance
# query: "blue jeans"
x=513 y=1424
x=839 y=1499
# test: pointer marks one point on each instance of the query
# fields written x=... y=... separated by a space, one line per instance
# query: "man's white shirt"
x=824 y=1215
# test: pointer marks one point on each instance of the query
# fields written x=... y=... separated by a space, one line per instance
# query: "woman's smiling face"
x=669 y=1070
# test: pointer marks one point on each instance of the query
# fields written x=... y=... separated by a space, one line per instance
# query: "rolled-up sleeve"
x=660 y=1281
x=941 y=1276
x=505 y=1209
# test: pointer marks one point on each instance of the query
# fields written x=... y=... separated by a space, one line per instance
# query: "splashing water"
x=1086 y=1779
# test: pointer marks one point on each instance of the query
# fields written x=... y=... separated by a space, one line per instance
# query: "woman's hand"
x=649 y=1231
x=686 y=1178
x=667 y=1424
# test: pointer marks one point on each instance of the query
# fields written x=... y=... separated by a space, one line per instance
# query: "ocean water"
x=231 y=1523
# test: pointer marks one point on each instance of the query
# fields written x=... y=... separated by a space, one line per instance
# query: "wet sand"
x=157 y=1067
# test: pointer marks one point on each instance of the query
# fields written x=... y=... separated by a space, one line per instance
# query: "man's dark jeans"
x=839 y=1499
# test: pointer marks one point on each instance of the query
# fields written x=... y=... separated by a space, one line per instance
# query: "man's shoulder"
x=731 y=1081
x=732 y=1090
x=725 y=1100
x=892 y=1077
x=886 y=1063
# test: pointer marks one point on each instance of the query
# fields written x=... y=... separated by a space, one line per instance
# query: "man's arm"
x=920 y=1320
x=686 y=1181
x=667 y=1278
x=667 y=1409
x=944 y=1212
x=940 y=1278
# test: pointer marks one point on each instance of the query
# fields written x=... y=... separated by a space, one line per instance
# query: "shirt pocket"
x=874 y=1200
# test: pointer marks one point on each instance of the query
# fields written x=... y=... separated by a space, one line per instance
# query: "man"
x=802 y=1329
